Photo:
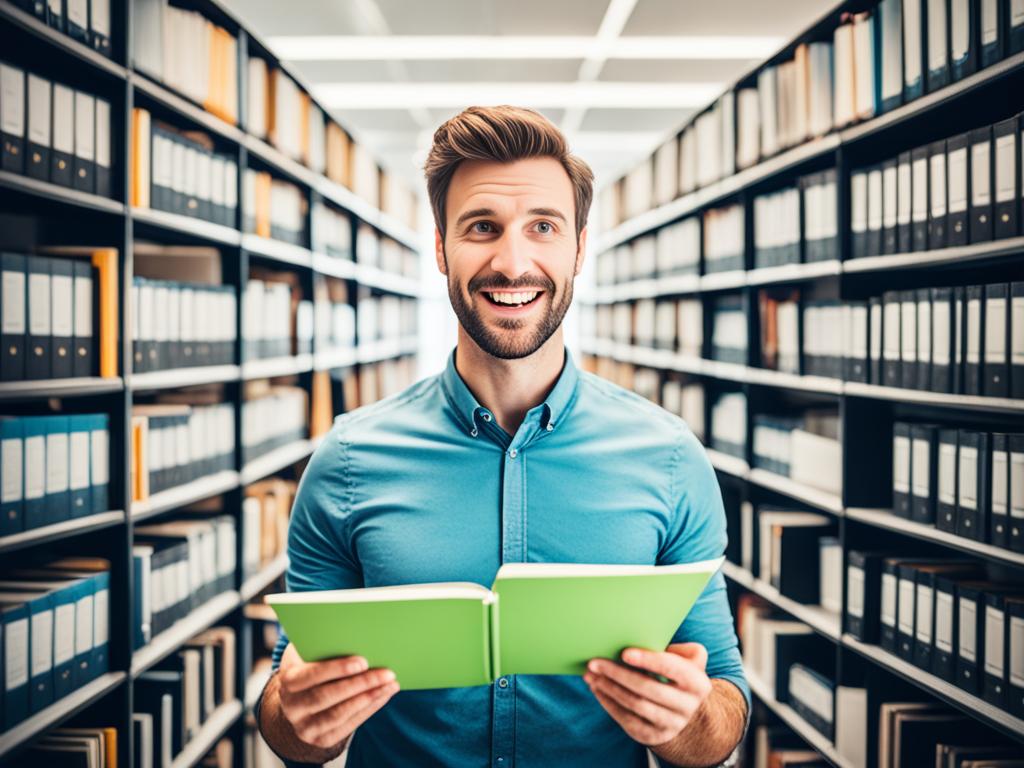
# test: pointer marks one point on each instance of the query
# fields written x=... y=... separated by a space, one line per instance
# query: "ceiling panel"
x=634 y=119
x=490 y=70
x=346 y=71
x=725 y=71
x=492 y=17
x=363 y=120
x=724 y=17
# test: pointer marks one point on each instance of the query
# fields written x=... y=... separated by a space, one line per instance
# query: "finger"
x=306 y=703
x=679 y=670
x=303 y=676
x=652 y=712
x=695 y=652
x=340 y=718
x=635 y=727
x=639 y=683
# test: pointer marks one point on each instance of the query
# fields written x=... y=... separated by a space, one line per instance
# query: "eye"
x=545 y=227
x=486 y=227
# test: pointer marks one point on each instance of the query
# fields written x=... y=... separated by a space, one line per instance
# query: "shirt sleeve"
x=698 y=533
x=319 y=551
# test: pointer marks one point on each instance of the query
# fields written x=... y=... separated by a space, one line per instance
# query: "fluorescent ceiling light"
x=354 y=96
x=420 y=47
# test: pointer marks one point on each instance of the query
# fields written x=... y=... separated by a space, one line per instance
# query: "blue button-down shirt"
x=425 y=487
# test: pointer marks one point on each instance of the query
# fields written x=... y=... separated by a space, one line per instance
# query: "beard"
x=513 y=339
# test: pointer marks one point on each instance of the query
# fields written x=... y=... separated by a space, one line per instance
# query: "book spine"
x=493 y=651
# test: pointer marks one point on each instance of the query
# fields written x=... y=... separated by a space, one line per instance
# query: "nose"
x=511 y=256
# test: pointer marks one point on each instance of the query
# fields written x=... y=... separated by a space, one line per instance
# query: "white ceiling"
x=584 y=63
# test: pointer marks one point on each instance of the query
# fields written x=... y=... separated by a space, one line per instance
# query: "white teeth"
x=513 y=298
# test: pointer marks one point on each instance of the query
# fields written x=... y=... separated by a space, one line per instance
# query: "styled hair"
x=503 y=134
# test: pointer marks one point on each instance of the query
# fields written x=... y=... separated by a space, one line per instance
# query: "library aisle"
x=806 y=241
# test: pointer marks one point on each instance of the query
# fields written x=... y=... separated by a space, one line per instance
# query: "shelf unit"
x=865 y=411
x=113 y=223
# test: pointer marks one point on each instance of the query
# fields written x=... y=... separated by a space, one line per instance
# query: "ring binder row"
x=848 y=68
x=85 y=21
x=54 y=133
x=950 y=193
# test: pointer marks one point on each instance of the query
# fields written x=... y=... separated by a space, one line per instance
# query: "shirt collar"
x=554 y=407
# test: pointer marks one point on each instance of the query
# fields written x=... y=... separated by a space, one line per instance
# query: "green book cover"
x=537 y=619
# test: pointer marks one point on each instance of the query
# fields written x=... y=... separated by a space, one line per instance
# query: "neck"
x=510 y=388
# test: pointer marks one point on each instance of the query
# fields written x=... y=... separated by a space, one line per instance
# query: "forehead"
x=534 y=182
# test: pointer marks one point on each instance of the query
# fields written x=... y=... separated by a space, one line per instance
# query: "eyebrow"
x=477 y=212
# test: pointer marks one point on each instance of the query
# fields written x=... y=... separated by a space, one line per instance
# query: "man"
x=509 y=455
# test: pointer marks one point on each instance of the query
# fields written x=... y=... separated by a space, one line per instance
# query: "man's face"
x=510 y=252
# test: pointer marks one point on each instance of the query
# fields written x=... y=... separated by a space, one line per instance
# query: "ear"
x=442 y=265
x=581 y=251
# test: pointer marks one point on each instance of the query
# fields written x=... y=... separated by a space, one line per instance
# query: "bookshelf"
x=630 y=351
x=112 y=222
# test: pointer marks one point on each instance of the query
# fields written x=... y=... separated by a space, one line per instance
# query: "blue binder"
x=58 y=499
x=99 y=483
x=35 y=505
x=78 y=449
x=14 y=621
x=13 y=450
x=40 y=644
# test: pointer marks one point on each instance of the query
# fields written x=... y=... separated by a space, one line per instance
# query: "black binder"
x=992 y=32
x=924 y=452
x=40 y=99
x=957 y=180
x=963 y=38
x=76 y=17
x=85 y=319
x=975 y=479
x=1015 y=648
x=890 y=200
x=937 y=19
x=62 y=314
x=914 y=73
x=1007 y=185
x=904 y=204
x=1014 y=35
x=62 y=151
x=875 y=312
x=39 y=340
x=864 y=574
x=974 y=333
x=938 y=195
x=942 y=336
x=876 y=212
x=14 y=328
x=891 y=339
x=925 y=352
x=902 y=463
x=859 y=213
x=12 y=118
x=947 y=486
x=908 y=340
x=981 y=185
x=1016 y=502
x=85 y=142
x=1016 y=339
x=996 y=350
x=999 y=492
x=102 y=147
x=959 y=339
x=920 y=181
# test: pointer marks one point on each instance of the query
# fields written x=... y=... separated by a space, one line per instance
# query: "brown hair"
x=504 y=134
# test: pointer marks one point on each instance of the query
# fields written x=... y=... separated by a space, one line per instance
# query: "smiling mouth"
x=511 y=298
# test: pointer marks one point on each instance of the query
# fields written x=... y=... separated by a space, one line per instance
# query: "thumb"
x=695 y=652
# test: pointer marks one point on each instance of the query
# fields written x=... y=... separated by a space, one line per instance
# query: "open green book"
x=537 y=619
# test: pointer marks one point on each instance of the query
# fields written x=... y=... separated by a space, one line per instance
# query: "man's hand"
x=649 y=711
x=324 y=702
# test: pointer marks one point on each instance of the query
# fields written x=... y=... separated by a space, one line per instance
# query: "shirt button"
x=485 y=416
x=474 y=432
x=550 y=427
x=503 y=682
x=513 y=453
